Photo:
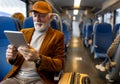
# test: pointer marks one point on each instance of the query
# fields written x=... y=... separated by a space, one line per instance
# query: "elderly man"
x=44 y=55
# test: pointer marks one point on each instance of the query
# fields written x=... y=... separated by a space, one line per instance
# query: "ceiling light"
x=75 y=12
x=77 y=3
x=74 y=18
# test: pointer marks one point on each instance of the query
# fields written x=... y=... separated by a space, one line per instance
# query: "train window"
x=107 y=17
x=100 y=19
x=117 y=20
x=4 y=14
x=8 y=7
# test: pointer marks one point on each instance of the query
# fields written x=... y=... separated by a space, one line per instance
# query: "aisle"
x=80 y=60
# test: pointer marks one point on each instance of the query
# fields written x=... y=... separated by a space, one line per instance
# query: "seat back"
x=88 y=34
x=66 y=33
x=54 y=24
x=83 y=31
x=102 y=38
x=115 y=30
x=19 y=24
x=28 y=23
x=6 y=23
x=89 y=30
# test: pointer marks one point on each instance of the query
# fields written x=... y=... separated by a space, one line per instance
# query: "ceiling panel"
x=62 y=5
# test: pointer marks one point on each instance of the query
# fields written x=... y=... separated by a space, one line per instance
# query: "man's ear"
x=51 y=16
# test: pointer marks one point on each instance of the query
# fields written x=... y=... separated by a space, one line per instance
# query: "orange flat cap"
x=42 y=7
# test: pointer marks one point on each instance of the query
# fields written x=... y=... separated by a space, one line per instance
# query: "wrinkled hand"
x=29 y=53
x=11 y=52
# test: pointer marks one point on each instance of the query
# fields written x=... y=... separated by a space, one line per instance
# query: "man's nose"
x=37 y=19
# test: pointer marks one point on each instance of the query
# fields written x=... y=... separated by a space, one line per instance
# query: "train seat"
x=115 y=30
x=6 y=23
x=54 y=24
x=18 y=24
x=102 y=39
x=88 y=36
x=28 y=22
x=83 y=31
x=66 y=35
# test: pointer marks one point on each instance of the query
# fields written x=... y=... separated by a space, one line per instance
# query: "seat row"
x=101 y=35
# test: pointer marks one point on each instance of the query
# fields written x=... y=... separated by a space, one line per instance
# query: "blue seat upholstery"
x=54 y=24
x=28 y=23
x=83 y=31
x=88 y=34
x=66 y=33
x=18 y=24
x=102 y=39
x=6 y=23
x=115 y=30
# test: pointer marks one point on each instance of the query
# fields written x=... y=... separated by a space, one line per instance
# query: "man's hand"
x=30 y=54
x=11 y=52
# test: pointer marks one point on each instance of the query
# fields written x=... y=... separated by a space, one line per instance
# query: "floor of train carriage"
x=79 y=59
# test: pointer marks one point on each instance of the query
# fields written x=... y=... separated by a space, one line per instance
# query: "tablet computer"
x=16 y=38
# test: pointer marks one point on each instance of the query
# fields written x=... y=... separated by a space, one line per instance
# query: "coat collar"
x=46 y=40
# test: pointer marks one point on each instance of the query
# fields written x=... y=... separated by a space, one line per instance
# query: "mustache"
x=38 y=23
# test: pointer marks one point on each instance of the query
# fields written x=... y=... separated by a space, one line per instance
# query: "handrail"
x=60 y=21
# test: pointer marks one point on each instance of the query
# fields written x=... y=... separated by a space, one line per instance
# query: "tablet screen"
x=16 y=38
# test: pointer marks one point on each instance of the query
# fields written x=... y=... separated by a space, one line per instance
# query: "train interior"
x=100 y=17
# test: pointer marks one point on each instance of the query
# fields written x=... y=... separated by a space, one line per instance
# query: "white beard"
x=40 y=26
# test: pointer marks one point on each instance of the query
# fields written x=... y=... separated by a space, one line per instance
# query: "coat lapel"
x=28 y=34
x=46 y=40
